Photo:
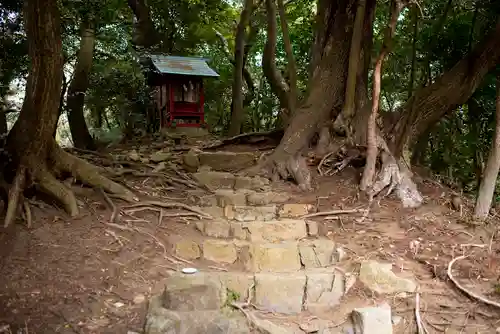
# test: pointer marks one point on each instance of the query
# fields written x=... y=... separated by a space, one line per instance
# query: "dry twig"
x=333 y=212
x=169 y=205
x=27 y=211
x=465 y=290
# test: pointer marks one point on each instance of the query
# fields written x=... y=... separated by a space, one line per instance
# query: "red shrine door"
x=181 y=102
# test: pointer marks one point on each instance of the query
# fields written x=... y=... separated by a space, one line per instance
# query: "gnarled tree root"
x=44 y=175
x=284 y=167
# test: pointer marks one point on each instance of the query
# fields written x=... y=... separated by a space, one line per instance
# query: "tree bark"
x=348 y=111
x=371 y=142
x=36 y=157
x=326 y=89
x=278 y=84
x=488 y=183
x=145 y=33
x=237 y=112
x=414 y=13
x=292 y=66
x=78 y=87
x=450 y=90
x=3 y=123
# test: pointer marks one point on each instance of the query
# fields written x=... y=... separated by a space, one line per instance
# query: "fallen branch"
x=463 y=289
x=170 y=205
x=334 y=212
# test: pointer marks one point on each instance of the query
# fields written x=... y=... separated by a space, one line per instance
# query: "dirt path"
x=84 y=275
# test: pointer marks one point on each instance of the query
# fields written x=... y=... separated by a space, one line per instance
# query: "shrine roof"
x=182 y=65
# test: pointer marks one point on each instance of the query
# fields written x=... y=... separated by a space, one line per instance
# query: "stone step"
x=219 y=161
x=245 y=213
x=269 y=231
x=242 y=197
x=224 y=180
x=314 y=290
x=286 y=256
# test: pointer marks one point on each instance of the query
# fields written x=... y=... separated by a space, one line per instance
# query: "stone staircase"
x=280 y=263
x=258 y=251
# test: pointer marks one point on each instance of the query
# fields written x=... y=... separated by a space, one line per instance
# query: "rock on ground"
x=380 y=278
x=373 y=320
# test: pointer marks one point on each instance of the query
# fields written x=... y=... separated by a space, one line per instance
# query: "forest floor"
x=86 y=275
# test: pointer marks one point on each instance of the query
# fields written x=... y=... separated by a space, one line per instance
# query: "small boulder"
x=227 y=161
x=266 y=198
x=134 y=156
x=380 y=278
x=215 y=180
x=190 y=161
x=160 y=156
x=373 y=320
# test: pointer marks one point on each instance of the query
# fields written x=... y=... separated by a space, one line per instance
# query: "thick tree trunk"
x=77 y=88
x=326 y=90
x=291 y=66
x=414 y=13
x=489 y=179
x=237 y=112
x=3 y=123
x=278 y=84
x=372 y=145
x=145 y=33
x=451 y=89
x=36 y=158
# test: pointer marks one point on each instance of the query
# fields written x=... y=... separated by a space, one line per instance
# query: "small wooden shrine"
x=177 y=84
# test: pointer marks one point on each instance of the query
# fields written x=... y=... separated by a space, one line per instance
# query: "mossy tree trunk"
x=36 y=157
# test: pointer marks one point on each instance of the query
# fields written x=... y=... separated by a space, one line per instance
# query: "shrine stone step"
x=288 y=293
x=246 y=213
x=285 y=256
x=224 y=180
x=264 y=231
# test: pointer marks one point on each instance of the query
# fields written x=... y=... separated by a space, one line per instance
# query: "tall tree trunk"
x=292 y=66
x=372 y=146
x=278 y=84
x=450 y=90
x=78 y=87
x=414 y=13
x=145 y=33
x=326 y=90
x=237 y=112
x=489 y=180
x=348 y=111
x=61 y=102
x=3 y=122
x=36 y=157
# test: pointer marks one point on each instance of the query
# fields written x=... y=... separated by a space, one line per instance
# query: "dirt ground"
x=85 y=275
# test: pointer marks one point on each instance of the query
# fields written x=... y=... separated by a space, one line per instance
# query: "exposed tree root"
x=270 y=137
x=43 y=174
x=291 y=167
x=15 y=193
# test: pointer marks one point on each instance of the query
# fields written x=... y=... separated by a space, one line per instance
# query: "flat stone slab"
x=280 y=293
x=252 y=183
x=324 y=289
x=193 y=293
x=252 y=213
x=231 y=197
x=215 y=180
x=268 y=197
x=227 y=161
x=220 y=251
x=380 y=278
x=272 y=257
x=160 y=320
x=373 y=320
x=317 y=253
x=274 y=230
x=294 y=210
